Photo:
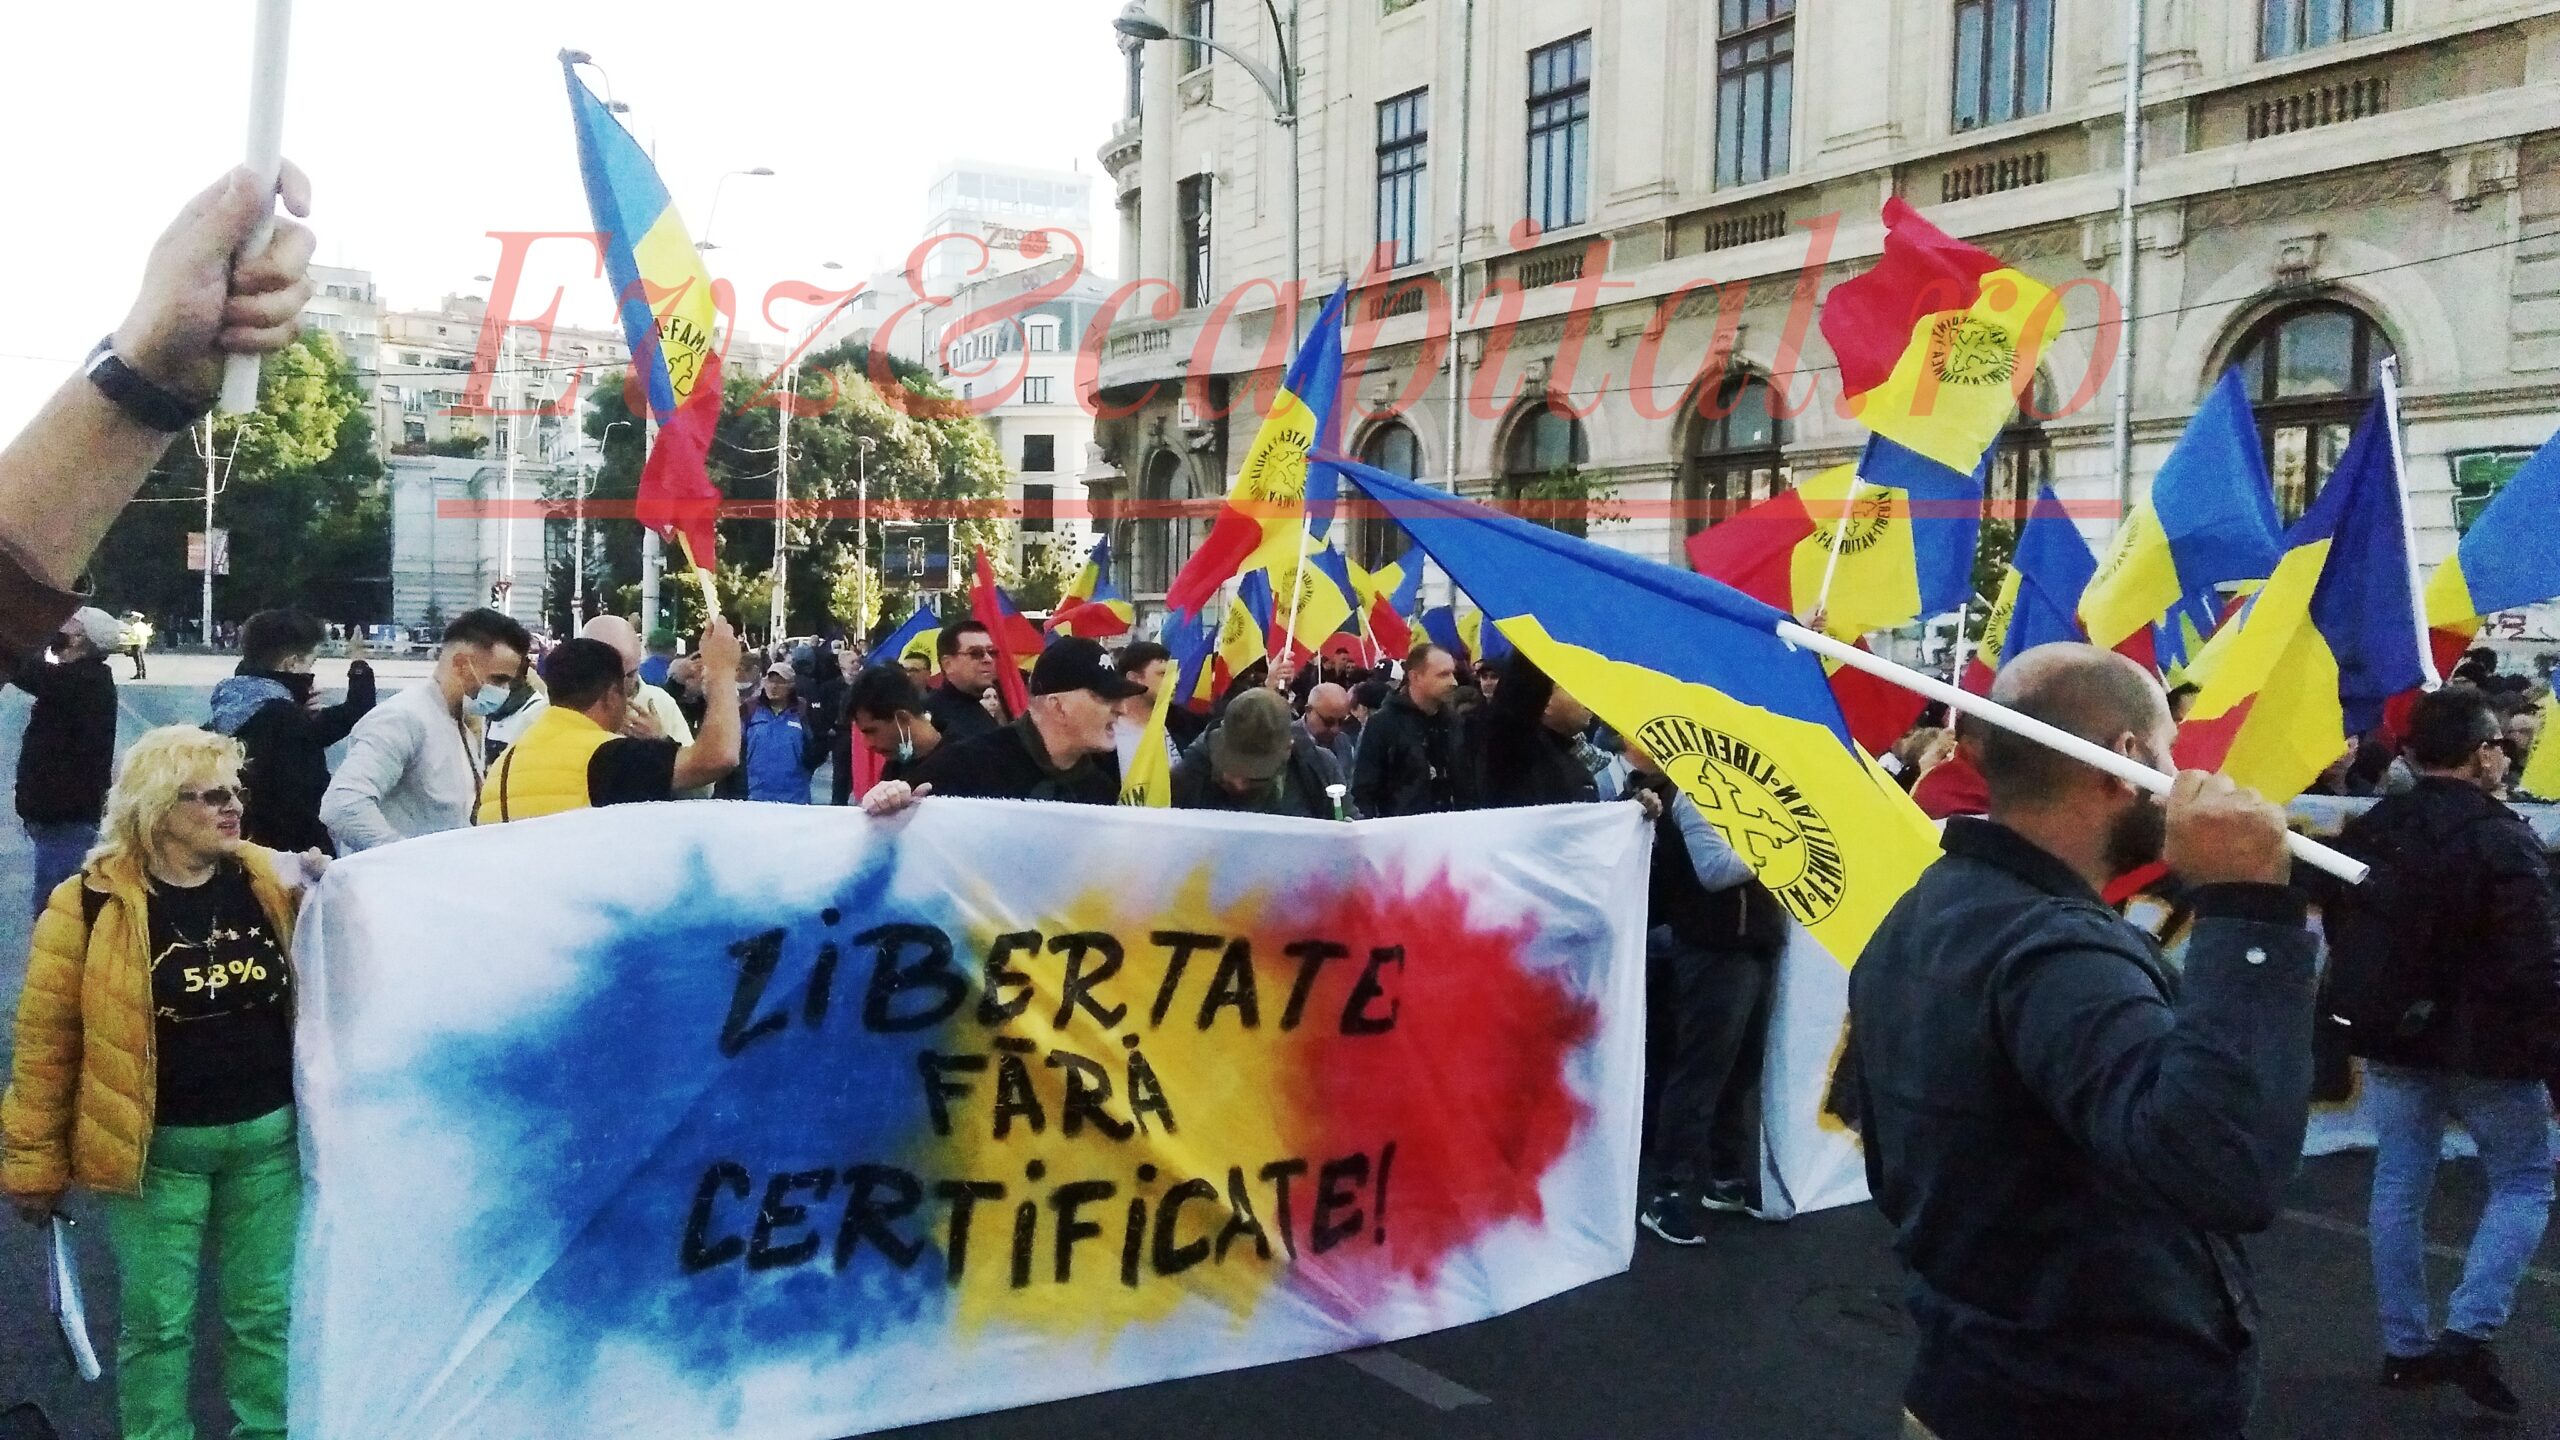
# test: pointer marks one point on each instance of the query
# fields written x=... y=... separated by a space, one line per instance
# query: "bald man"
x=2069 y=1135
x=654 y=714
x=1328 y=723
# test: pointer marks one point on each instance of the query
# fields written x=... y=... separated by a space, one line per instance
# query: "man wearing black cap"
x=1257 y=761
x=1059 y=749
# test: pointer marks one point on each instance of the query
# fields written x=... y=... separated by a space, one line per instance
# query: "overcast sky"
x=426 y=127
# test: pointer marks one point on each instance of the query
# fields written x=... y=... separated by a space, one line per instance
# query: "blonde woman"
x=154 y=1067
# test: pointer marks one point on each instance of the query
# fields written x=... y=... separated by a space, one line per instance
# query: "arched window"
x=1735 y=457
x=2312 y=370
x=1546 y=443
x=2022 y=460
x=1161 y=541
x=1377 y=540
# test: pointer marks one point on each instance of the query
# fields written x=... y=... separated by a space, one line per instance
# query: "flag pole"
x=2132 y=772
x=2408 y=538
x=1955 y=672
x=1839 y=536
x=266 y=162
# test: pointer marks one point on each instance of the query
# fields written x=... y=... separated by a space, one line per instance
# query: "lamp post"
x=777 y=609
x=863 y=445
x=1281 y=89
x=578 y=526
x=713 y=216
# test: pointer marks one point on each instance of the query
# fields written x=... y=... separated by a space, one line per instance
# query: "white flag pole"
x=265 y=161
x=1839 y=534
x=2132 y=772
x=2408 y=535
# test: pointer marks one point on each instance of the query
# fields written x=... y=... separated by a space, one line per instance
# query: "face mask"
x=906 y=745
x=488 y=700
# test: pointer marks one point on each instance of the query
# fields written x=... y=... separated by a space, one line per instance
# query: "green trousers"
x=241 y=1187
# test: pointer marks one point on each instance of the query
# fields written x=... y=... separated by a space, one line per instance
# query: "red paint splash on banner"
x=1468 y=1084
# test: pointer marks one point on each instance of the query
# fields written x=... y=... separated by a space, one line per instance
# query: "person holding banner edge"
x=154 y=1068
x=2068 y=1137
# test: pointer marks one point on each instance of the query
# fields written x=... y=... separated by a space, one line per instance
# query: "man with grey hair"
x=2068 y=1135
x=1327 y=723
x=67 y=756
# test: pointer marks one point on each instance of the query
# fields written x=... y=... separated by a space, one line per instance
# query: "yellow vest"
x=545 y=771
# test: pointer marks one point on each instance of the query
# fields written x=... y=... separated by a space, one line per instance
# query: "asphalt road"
x=1768 y=1332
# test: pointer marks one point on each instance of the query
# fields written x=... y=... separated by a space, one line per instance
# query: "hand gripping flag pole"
x=2132 y=772
x=265 y=161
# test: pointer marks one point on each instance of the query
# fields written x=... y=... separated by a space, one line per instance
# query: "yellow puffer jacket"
x=545 y=771
x=83 y=1082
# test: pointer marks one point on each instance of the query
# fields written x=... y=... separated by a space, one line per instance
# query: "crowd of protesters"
x=2070 y=1124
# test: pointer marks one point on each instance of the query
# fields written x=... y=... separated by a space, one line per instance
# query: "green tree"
x=1049 y=565
x=925 y=447
x=300 y=492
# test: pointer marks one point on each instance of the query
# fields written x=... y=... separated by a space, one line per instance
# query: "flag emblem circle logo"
x=1867 y=519
x=1967 y=350
x=1762 y=812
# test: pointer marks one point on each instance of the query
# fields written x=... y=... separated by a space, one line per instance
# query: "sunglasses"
x=218 y=797
x=980 y=652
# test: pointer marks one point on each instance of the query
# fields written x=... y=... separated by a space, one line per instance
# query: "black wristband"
x=138 y=396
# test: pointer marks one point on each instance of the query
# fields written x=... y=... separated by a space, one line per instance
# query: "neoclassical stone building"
x=2325 y=183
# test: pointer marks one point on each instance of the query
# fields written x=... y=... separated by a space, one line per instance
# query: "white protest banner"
x=709 y=1120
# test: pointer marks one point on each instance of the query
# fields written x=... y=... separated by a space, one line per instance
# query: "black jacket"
x=288 y=769
x=1738 y=917
x=958 y=716
x=1404 y=766
x=2448 y=957
x=1009 y=763
x=1299 y=789
x=68 y=754
x=2067 y=1135
x=1516 y=761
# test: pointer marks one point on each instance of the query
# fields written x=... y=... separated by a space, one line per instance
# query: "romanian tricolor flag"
x=2541 y=777
x=1268 y=510
x=2333 y=635
x=1694 y=673
x=1149 y=780
x=2509 y=556
x=916 y=637
x=1904 y=542
x=1244 y=637
x=1017 y=643
x=1093 y=606
x=2039 y=594
x=2211 y=520
x=1320 y=598
x=668 y=305
x=1937 y=341
x=1393 y=597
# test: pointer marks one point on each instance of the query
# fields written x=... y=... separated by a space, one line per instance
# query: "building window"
x=1755 y=89
x=1546 y=445
x=1039 y=454
x=1193 y=201
x=2288 y=27
x=2021 y=462
x=1404 y=184
x=1035 y=389
x=1377 y=540
x=1199 y=17
x=1736 y=453
x=1133 y=102
x=1162 y=540
x=2312 y=369
x=1044 y=336
x=1039 y=505
x=2004 y=60
x=1560 y=133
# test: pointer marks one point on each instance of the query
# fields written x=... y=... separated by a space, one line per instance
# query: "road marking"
x=2313 y=1220
x=1419 y=1381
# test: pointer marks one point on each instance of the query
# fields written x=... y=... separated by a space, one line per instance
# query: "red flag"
x=677 y=498
x=1004 y=626
x=1879 y=712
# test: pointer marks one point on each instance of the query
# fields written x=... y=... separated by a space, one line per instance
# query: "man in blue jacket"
x=779 y=748
x=2068 y=1136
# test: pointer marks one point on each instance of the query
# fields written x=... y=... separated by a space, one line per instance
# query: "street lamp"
x=578 y=525
x=1140 y=27
x=713 y=217
x=863 y=445
x=776 y=611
